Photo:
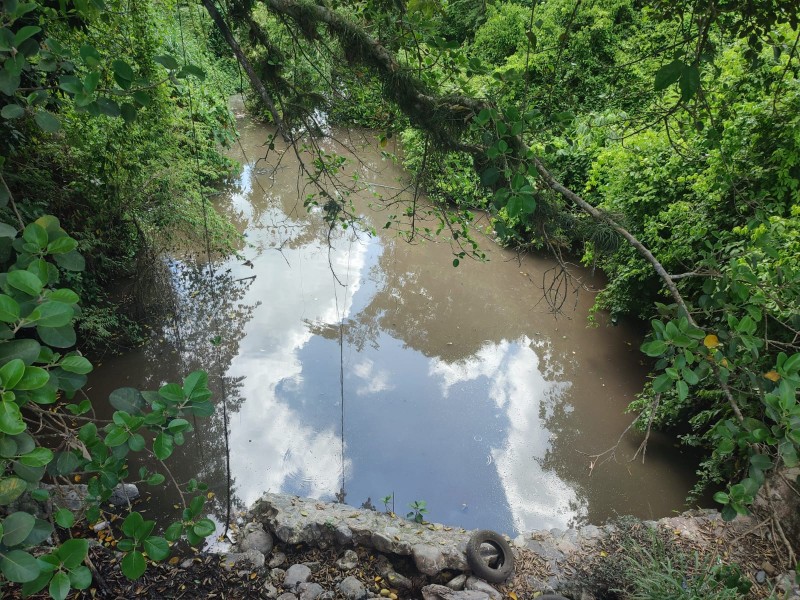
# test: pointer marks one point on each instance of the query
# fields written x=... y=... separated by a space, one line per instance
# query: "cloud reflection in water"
x=537 y=498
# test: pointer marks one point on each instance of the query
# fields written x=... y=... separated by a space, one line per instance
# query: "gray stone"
x=479 y=585
x=546 y=550
x=287 y=596
x=398 y=581
x=590 y=532
x=429 y=559
x=270 y=590
x=305 y=521
x=761 y=577
x=123 y=494
x=348 y=561
x=187 y=563
x=313 y=565
x=327 y=596
x=278 y=559
x=441 y=592
x=457 y=583
x=352 y=588
x=253 y=537
x=310 y=591
x=238 y=560
x=295 y=575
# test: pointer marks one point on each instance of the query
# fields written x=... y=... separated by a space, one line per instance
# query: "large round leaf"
x=25 y=281
x=19 y=566
x=11 y=488
x=16 y=527
x=10 y=418
x=133 y=565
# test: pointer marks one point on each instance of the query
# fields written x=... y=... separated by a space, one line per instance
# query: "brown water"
x=460 y=386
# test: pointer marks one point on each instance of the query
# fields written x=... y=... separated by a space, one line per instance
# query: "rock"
x=310 y=591
x=253 y=537
x=429 y=559
x=278 y=559
x=546 y=550
x=287 y=596
x=251 y=558
x=398 y=581
x=305 y=521
x=313 y=565
x=277 y=575
x=327 y=596
x=457 y=583
x=295 y=575
x=768 y=568
x=352 y=588
x=440 y=592
x=270 y=590
x=348 y=561
x=74 y=496
x=187 y=563
x=479 y=585
x=761 y=577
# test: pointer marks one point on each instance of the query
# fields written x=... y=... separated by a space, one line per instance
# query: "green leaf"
x=24 y=33
x=19 y=566
x=195 y=381
x=11 y=488
x=9 y=309
x=156 y=479
x=136 y=442
x=157 y=548
x=128 y=112
x=80 y=577
x=662 y=383
x=38 y=457
x=7 y=231
x=116 y=436
x=67 y=462
x=26 y=349
x=162 y=446
x=689 y=82
x=73 y=552
x=654 y=348
x=25 y=282
x=90 y=56
x=128 y=399
x=64 y=518
x=132 y=523
x=12 y=111
x=33 y=379
x=47 y=122
x=59 y=586
x=52 y=314
x=16 y=528
x=682 y=388
x=668 y=74
x=37 y=585
x=721 y=497
x=11 y=373
x=204 y=527
x=122 y=70
x=134 y=565
x=71 y=261
x=57 y=337
x=62 y=245
x=193 y=70
x=174 y=531
x=40 y=532
x=167 y=61
x=64 y=295
x=76 y=364
x=10 y=418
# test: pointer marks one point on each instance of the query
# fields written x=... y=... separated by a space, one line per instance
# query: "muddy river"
x=370 y=365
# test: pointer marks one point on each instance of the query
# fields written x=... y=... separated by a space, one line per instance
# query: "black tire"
x=505 y=566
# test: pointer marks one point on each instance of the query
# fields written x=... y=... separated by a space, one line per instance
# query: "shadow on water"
x=460 y=387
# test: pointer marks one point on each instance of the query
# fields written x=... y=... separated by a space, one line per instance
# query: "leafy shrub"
x=41 y=382
x=502 y=34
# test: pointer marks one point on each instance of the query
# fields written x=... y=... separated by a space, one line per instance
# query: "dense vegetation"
x=658 y=140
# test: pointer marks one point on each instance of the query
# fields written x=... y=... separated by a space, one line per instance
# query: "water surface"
x=373 y=365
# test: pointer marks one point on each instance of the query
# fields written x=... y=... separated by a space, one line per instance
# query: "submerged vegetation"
x=658 y=141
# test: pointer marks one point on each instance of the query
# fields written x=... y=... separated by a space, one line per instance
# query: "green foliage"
x=40 y=379
x=502 y=34
x=418 y=509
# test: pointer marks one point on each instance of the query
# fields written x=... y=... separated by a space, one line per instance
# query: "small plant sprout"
x=418 y=508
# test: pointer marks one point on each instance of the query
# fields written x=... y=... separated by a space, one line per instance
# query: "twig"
x=11 y=201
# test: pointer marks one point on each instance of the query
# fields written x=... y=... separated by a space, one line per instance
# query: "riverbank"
x=290 y=548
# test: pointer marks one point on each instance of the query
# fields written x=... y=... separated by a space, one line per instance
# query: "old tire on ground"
x=505 y=566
